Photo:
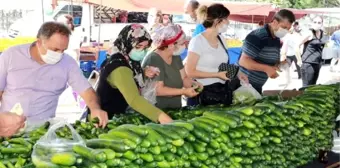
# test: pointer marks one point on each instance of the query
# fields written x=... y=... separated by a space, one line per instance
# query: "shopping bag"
x=50 y=144
x=284 y=74
x=149 y=91
x=245 y=94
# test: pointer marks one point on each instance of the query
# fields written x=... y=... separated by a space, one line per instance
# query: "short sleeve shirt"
x=170 y=75
x=262 y=47
x=209 y=58
x=36 y=87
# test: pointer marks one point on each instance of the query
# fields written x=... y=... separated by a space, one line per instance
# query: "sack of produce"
x=53 y=151
x=245 y=94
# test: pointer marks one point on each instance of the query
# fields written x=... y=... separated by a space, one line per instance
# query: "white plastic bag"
x=50 y=144
x=245 y=94
x=149 y=91
x=284 y=73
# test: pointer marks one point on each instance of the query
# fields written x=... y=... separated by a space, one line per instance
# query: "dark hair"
x=194 y=4
x=215 y=12
x=296 y=24
x=285 y=14
x=261 y=23
x=48 y=29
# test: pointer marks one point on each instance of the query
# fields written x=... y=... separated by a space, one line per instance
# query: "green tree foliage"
x=302 y=4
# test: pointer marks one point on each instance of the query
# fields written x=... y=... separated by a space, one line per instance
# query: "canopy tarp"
x=240 y=11
x=177 y=6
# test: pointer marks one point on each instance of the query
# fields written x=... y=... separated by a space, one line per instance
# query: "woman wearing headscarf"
x=172 y=80
x=121 y=77
x=313 y=42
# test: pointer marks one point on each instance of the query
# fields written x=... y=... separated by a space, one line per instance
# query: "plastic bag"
x=149 y=91
x=51 y=144
x=284 y=73
x=245 y=94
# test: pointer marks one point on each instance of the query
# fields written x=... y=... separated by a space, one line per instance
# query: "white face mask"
x=223 y=29
x=179 y=51
x=51 y=57
x=281 y=32
x=316 y=26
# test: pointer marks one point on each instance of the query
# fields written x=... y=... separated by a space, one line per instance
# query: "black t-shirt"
x=312 y=51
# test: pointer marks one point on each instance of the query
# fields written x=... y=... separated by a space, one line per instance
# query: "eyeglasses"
x=317 y=22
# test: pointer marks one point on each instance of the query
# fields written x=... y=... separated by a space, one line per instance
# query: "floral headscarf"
x=130 y=36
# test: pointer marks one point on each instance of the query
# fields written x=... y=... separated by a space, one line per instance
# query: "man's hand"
x=10 y=123
x=299 y=63
x=102 y=116
x=164 y=118
x=151 y=72
x=271 y=72
x=243 y=77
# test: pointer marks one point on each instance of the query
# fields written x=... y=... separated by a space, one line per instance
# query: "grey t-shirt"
x=170 y=75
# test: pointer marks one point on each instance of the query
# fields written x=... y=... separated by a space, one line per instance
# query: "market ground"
x=69 y=109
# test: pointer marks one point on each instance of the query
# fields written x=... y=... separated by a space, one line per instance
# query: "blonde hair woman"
x=155 y=19
x=201 y=16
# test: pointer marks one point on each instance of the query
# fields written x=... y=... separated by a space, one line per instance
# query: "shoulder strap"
x=226 y=50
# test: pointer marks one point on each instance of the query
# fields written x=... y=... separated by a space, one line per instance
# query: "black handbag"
x=231 y=69
x=219 y=93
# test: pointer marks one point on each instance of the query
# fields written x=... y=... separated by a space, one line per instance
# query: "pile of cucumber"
x=265 y=135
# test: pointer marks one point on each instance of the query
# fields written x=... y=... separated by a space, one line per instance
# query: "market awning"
x=299 y=13
x=177 y=6
x=240 y=11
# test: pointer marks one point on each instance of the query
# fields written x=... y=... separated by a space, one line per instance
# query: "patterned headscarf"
x=130 y=36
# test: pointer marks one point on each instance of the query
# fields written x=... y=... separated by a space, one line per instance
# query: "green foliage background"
x=302 y=4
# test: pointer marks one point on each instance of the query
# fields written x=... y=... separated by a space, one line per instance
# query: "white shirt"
x=291 y=43
x=209 y=58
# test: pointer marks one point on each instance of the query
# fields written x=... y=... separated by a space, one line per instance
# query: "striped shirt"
x=262 y=47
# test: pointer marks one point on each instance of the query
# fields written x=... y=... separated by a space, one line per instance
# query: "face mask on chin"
x=51 y=57
x=281 y=32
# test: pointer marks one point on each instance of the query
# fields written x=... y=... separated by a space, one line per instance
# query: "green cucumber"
x=88 y=153
x=65 y=159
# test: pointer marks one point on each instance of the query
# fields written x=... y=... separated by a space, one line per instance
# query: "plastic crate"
x=87 y=67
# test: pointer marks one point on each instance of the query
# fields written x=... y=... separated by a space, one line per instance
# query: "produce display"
x=268 y=133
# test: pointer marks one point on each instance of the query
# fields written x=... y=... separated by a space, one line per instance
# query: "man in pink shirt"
x=36 y=74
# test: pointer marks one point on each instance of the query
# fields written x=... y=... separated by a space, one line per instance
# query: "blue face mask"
x=137 y=55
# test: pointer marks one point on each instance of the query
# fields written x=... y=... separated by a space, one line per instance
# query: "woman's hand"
x=151 y=72
x=163 y=118
x=199 y=85
x=222 y=75
x=190 y=92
